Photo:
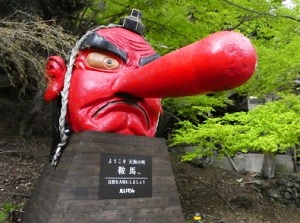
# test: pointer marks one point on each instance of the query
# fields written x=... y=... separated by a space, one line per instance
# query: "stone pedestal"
x=107 y=178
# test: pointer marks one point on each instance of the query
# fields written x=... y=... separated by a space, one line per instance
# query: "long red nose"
x=221 y=61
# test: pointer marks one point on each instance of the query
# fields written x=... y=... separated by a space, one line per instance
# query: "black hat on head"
x=133 y=22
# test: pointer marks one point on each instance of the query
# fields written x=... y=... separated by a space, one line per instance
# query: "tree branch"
x=260 y=13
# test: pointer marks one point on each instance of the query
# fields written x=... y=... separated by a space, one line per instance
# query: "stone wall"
x=285 y=189
x=251 y=162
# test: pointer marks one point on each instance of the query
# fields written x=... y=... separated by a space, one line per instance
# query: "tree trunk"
x=268 y=167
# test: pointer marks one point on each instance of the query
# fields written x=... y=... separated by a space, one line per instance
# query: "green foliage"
x=6 y=209
x=2 y=215
x=193 y=107
x=275 y=34
x=274 y=127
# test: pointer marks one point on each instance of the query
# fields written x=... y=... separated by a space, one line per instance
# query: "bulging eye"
x=102 y=61
x=110 y=63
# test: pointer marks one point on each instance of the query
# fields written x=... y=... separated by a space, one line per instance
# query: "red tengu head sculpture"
x=104 y=55
x=114 y=79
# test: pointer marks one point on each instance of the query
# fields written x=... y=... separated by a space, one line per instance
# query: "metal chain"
x=65 y=94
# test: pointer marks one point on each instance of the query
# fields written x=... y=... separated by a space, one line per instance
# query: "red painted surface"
x=219 y=62
x=110 y=95
x=55 y=70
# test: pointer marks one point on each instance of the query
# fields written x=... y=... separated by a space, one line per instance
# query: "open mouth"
x=113 y=106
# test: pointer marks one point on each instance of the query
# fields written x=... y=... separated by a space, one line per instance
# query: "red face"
x=105 y=56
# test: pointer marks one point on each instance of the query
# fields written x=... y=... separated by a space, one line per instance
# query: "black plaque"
x=125 y=176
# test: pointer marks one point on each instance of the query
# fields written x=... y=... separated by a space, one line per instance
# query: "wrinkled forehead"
x=130 y=47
